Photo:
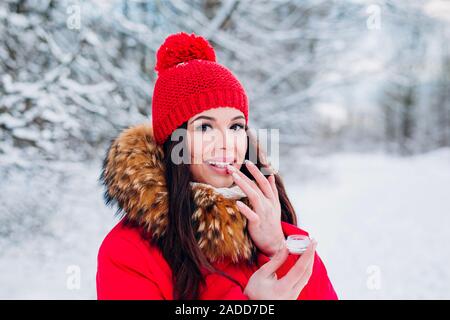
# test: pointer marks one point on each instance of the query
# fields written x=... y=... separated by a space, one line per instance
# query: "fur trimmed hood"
x=134 y=178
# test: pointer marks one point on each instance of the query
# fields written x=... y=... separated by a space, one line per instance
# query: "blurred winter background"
x=359 y=89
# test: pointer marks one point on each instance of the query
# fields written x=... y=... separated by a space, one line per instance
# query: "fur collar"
x=134 y=178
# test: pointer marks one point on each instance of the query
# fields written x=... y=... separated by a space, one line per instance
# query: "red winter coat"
x=129 y=268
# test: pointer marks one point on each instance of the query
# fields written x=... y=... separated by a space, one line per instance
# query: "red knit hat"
x=190 y=81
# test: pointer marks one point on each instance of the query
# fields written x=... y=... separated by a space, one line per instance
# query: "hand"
x=264 y=223
x=264 y=284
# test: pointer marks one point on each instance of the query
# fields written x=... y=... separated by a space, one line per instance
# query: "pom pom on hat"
x=182 y=47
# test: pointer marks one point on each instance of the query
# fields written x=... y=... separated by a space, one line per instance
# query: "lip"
x=221 y=171
x=222 y=159
x=217 y=170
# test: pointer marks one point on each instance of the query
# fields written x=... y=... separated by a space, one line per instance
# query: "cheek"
x=241 y=148
x=197 y=149
x=196 y=171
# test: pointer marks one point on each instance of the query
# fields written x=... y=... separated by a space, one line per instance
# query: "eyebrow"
x=214 y=119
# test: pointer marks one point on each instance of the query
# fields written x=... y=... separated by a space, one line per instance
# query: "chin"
x=220 y=182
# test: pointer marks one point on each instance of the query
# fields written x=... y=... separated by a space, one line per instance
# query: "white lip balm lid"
x=297 y=243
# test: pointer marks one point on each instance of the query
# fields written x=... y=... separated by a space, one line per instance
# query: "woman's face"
x=216 y=137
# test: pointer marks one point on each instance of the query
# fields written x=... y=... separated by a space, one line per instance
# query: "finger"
x=273 y=184
x=247 y=212
x=308 y=259
x=298 y=287
x=262 y=181
x=245 y=178
x=300 y=267
x=275 y=262
x=246 y=188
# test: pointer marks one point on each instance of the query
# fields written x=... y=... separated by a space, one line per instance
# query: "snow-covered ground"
x=381 y=222
x=51 y=227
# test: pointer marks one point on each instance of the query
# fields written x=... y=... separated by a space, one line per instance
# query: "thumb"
x=275 y=262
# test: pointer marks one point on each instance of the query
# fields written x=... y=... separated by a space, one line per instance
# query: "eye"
x=237 y=126
x=203 y=127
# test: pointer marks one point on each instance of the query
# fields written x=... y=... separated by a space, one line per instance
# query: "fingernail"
x=247 y=161
x=235 y=175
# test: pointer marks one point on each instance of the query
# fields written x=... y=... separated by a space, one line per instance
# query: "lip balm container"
x=297 y=243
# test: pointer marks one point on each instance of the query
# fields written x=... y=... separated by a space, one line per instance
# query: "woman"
x=198 y=223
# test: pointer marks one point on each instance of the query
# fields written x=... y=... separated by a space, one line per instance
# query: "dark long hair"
x=179 y=246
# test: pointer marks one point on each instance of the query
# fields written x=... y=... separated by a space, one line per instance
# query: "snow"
x=10 y=122
x=382 y=216
x=26 y=134
x=437 y=8
x=52 y=222
x=371 y=213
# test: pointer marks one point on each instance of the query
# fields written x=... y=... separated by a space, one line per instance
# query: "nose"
x=224 y=144
x=223 y=140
